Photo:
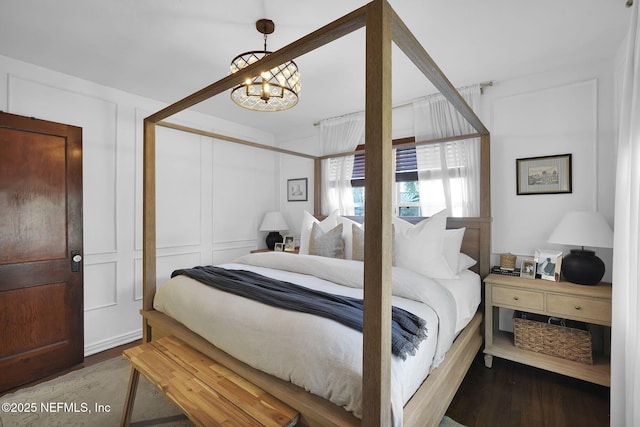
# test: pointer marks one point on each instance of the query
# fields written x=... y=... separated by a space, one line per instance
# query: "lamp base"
x=272 y=238
x=582 y=267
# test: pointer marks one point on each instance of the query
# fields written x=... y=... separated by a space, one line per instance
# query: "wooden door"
x=41 y=313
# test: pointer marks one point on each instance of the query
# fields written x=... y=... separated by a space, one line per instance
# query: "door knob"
x=75 y=261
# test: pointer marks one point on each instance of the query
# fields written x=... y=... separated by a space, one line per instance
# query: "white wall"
x=569 y=110
x=192 y=172
x=293 y=167
x=564 y=111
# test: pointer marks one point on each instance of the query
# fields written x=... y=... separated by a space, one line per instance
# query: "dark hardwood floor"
x=512 y=394
x=508 y=394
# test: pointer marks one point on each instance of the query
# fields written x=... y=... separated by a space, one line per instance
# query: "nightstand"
x=590 y=304
x=255 y=251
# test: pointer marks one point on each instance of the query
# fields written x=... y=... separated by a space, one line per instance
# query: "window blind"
x=406 y=167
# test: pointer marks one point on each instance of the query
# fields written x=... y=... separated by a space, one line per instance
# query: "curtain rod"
x=405 y=104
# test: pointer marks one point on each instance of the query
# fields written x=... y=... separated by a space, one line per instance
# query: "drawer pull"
x=516 y=298
x=577 y=307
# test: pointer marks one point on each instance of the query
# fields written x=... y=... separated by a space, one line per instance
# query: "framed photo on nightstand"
x=528 y=269
x=279 y=247
x=289 y=245
x=548 y=264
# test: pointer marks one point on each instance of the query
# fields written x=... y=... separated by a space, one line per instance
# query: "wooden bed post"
x=376 y=376
x=149 y=221
x=485 y=177
x=317 y=187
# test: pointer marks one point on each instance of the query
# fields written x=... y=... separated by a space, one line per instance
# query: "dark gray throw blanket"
x=408 y=330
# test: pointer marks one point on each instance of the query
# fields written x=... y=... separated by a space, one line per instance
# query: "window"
x=408 y=185
x=407 y=200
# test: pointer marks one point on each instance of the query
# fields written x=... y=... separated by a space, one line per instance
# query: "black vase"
x=272 y=238
x=582 y=267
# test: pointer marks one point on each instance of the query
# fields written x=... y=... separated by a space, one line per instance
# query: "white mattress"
x=330 y=364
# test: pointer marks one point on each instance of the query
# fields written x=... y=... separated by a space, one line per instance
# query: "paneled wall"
x=558 y=112
x=568 y=110
x=211 y=195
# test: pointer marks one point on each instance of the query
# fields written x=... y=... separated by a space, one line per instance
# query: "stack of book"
x=496 y=269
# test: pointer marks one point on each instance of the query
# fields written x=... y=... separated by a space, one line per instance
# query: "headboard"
x=476 y=242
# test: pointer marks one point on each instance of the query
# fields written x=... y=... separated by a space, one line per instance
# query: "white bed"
x=382 y=27
x=270 y=339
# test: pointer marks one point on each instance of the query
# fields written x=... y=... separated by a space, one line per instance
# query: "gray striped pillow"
x=327 y=244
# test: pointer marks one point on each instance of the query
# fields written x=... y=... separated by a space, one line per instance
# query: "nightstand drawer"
x=598 y=311
x=518 y=298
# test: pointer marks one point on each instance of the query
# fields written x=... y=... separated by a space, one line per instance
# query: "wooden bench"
x=207 y=392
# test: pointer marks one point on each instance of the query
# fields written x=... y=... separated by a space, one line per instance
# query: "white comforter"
x=320 y=355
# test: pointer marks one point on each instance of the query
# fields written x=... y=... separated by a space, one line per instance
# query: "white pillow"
x=400 y=225
x=451 y=248
x=305 y=229
x=465 y=262
x=420 y=247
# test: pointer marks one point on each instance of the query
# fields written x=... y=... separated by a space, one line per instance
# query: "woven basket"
x=508 y=261
x=560 y=341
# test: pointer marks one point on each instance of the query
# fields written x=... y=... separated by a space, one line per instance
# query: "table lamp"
x=582 y=266
x=273 y=222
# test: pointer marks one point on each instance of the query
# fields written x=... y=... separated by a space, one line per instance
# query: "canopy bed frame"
x=430 y=402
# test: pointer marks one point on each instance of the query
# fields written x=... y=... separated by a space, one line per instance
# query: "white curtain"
x=448 y=172
x=339 y=135
x=625 y=352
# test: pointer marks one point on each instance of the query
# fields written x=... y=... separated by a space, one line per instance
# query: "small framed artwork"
x=279 y=247
x=528 y=269
x=289 y=243
x=548 y=264
x=544 y=175
x=297 y=190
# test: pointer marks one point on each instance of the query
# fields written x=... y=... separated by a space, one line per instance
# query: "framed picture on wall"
x=297 y=190
x=543 y=175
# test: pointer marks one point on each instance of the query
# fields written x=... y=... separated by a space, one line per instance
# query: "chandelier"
x=272 y=90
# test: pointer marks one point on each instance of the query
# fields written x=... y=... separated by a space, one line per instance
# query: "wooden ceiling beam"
x=325 y=35
x=406 y=41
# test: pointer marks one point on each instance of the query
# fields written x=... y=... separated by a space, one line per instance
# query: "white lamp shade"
x=583 y=229
x=273 y=221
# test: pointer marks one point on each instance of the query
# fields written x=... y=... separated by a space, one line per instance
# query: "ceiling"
x=168 y=49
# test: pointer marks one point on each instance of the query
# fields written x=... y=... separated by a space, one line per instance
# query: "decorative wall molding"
x=169 y=263
x=97 y=347
x=98 y=119
x=556 y=119
x=100 y=285
x=112 y=140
